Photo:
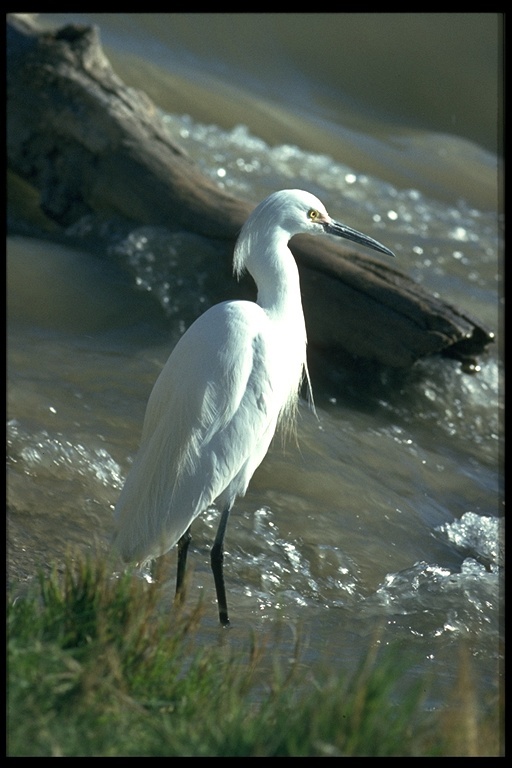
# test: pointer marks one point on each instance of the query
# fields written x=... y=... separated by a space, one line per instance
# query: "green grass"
x=96 y=668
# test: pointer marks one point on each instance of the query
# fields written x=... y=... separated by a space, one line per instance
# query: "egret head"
x=290 y=212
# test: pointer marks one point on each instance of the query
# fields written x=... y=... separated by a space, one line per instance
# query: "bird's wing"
x=208 y=424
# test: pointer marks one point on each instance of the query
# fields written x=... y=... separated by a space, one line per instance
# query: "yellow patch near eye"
x=313 y=214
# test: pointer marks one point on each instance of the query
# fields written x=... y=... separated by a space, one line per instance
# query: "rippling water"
x=386 y=514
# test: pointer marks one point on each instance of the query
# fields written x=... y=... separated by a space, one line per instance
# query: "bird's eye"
x=313 y=214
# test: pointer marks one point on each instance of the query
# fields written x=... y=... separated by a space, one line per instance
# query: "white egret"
x=232 y=377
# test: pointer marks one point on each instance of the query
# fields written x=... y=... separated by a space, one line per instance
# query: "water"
x=385 y=518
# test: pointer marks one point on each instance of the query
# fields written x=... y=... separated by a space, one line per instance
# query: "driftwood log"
x=90 y=144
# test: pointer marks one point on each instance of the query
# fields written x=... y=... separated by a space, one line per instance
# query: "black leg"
x=216 y=559
x=182 y=562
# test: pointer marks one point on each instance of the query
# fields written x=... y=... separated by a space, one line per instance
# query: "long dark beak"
x=341 y=230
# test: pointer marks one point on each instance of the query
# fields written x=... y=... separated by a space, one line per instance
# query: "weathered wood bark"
x=89 y=143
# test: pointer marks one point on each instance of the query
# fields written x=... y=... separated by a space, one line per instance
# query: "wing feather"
x=209 y=421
